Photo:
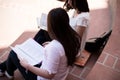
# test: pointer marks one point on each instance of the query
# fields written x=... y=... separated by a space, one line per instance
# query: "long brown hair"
x=81 y=5
x=59 y=29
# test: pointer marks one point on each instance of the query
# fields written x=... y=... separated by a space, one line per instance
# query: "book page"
x=30 y=50
x=42 y=21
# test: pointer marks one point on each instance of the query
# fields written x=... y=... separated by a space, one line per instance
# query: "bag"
x=98 y=43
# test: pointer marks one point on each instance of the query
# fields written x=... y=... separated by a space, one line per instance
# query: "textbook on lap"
x=30 y=50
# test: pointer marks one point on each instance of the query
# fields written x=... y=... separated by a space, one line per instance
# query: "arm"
x=50 y=64
x=82 y=24
x=40 y=72
x=80 y=30
x=36 y=70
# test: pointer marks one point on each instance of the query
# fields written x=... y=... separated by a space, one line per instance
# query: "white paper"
x=30 y=50
x=42 y=21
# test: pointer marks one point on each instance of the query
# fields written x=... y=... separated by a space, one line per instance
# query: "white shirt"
x=81 y=19
x=55 y=61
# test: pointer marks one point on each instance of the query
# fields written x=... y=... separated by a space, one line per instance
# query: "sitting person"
x=79 y=20
x=59 y=54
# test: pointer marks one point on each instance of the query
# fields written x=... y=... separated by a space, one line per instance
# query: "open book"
x=42 y=21
x=30 y=50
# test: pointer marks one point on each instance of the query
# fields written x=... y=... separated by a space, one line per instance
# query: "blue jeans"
x=12 y=63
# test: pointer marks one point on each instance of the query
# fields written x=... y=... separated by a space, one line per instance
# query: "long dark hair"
x=81 y=5
x=59 y=29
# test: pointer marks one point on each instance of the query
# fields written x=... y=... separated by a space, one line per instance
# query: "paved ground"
x=19 y=17
x=107 y=66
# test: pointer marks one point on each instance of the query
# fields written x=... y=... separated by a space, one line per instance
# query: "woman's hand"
x=24 y=63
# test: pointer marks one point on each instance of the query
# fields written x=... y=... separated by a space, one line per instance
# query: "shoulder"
x=55 y=46
x=83 y=19
x=85 y=15
x=55 y=43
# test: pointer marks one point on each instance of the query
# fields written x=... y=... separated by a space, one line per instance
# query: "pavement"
x=18 y=23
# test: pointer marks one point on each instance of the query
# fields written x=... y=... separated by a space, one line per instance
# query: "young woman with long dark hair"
x=79 y=20
x=59 y=54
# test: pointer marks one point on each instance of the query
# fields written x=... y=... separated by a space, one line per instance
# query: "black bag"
x=98 y=43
